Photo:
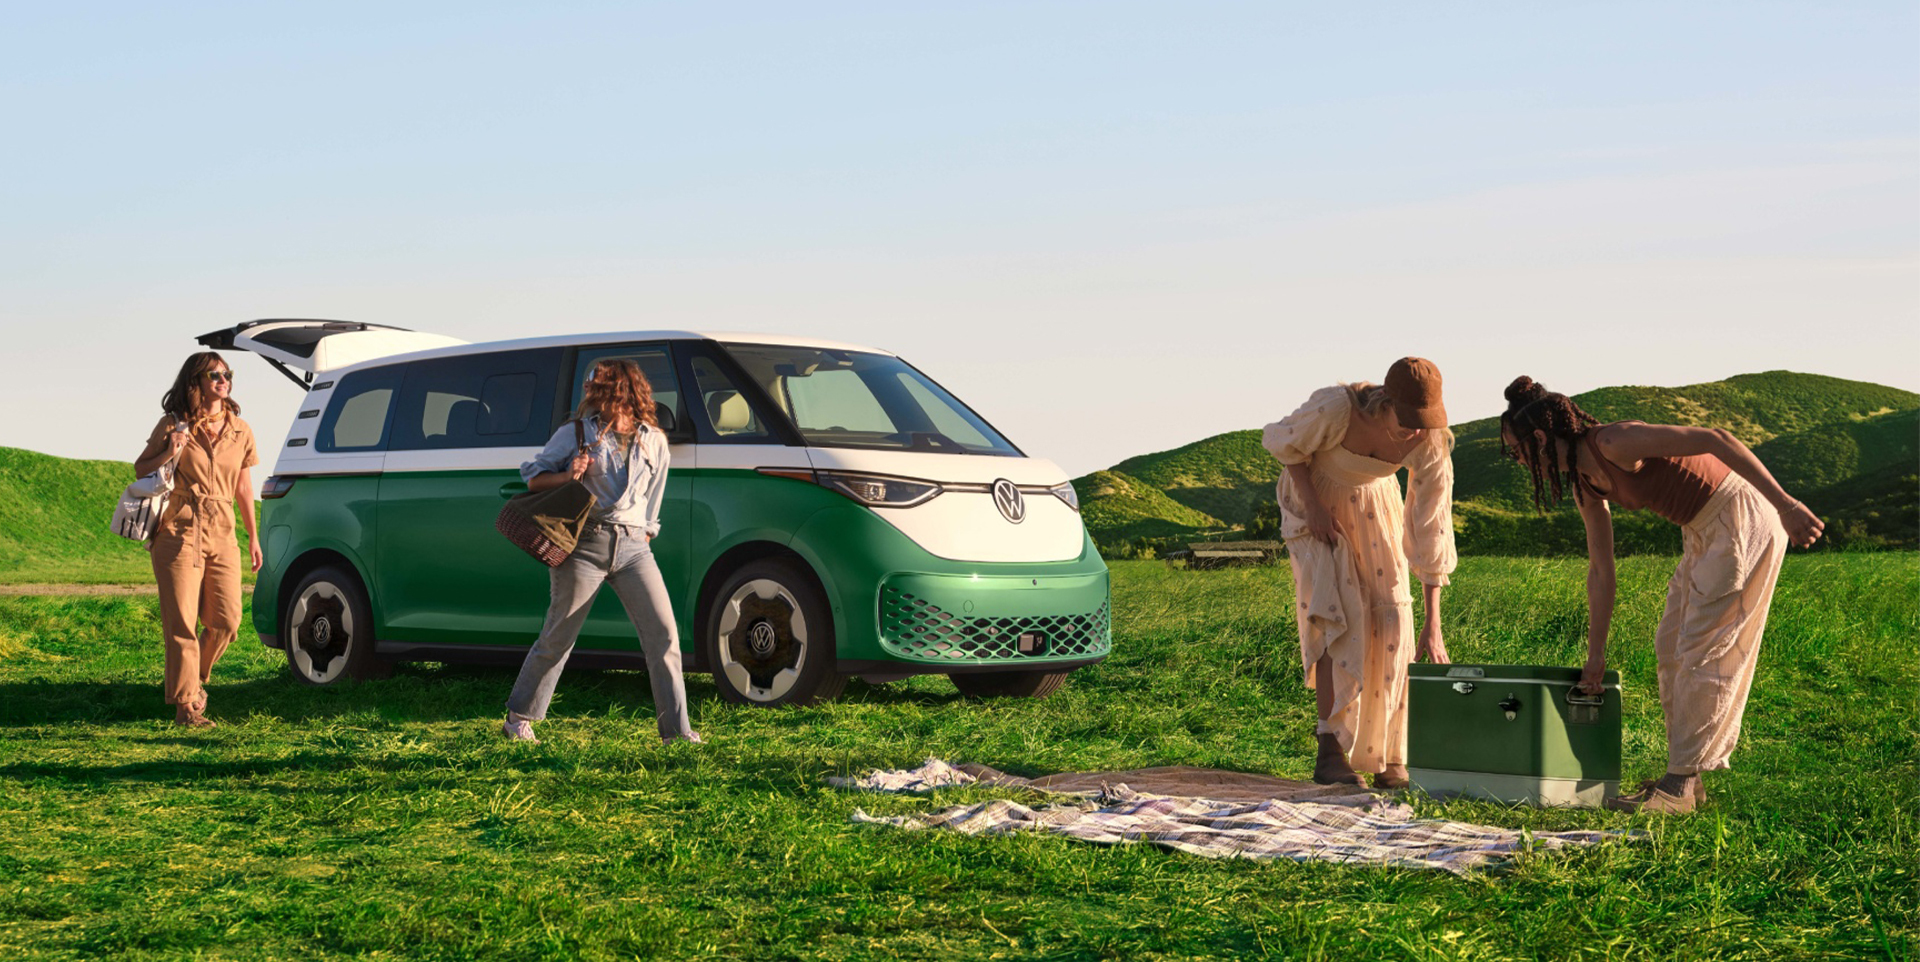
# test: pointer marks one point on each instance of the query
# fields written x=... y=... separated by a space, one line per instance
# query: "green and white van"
x=831 y=512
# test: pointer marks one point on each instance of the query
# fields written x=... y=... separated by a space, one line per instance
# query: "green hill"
x=1847 y=448
x=53 y=521
x=1123 y=507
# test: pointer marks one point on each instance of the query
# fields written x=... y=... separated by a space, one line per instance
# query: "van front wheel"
x=769 y=637
x=329 y=630
x=1009 y=684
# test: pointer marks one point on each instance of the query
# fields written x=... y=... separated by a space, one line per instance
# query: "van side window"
x=356 y=418
x=494 y=400
x=654 y=362
x=731 y=418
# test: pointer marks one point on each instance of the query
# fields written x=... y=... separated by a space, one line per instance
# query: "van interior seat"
x=729 y=412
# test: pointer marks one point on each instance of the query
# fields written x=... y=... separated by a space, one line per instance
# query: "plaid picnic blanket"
x=1377 y=832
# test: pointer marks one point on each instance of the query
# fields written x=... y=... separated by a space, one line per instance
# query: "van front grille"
x=916 y=628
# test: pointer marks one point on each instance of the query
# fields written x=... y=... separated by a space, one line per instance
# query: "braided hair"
x=1561 y=423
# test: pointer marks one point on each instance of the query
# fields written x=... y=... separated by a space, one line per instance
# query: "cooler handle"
x=1577 y=697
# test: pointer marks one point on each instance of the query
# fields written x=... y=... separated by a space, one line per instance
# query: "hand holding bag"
x=143 y=502
x=547 y=524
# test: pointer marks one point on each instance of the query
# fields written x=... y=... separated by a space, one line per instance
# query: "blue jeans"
x=618 y=554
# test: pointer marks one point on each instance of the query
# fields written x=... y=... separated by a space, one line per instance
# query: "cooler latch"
x=1511 y=705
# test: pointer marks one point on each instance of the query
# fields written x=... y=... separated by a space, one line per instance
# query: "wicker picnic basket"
x=547 y=524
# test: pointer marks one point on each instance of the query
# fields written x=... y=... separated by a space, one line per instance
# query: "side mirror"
x=668 y=422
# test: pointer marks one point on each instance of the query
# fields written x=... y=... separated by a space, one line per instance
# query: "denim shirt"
x=628 y=489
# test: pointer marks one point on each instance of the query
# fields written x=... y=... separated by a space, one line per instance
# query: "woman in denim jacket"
x=624 y=465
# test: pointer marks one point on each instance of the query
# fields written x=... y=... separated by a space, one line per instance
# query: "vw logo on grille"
x=1007 y=498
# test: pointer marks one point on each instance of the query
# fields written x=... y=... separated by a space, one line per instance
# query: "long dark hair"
x=183 y=398
x=1562 y=426
x=618 y=387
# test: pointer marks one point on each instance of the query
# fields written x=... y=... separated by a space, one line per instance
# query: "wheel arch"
x=732 y=560
x=311 y=561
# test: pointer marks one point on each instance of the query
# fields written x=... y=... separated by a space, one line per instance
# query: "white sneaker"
x=518 y=728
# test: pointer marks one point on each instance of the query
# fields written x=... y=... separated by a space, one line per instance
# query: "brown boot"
x=1651 y=798
x=1331 y=767
x=1392 y=777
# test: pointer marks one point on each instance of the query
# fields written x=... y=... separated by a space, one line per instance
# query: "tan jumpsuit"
x=196 y=556
x=1353 y=602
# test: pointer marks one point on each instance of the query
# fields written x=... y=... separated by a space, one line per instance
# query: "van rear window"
x=358 y=414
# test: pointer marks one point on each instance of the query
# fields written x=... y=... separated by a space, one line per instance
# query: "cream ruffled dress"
x=1354 y=603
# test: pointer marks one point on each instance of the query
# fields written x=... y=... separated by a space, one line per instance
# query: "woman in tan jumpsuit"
x=196 y=558
x=1735 y=523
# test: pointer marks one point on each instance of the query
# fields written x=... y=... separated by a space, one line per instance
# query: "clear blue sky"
x=1111 y=227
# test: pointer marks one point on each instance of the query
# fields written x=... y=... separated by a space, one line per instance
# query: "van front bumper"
x=989 y=621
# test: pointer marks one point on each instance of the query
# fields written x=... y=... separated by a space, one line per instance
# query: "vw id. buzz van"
x=831 y=512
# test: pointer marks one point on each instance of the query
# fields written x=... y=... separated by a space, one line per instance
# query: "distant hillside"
x=53 y=520
x=1849 y=449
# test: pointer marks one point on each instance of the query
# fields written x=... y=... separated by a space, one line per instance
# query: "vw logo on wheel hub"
x=1007 y=498
x=761 y=637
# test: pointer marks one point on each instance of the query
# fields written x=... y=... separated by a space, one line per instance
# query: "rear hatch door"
x=304 y=348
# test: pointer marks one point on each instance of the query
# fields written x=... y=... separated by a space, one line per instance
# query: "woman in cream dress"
x=1353 y=540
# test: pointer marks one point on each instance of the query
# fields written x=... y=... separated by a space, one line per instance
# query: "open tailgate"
x=314 y=347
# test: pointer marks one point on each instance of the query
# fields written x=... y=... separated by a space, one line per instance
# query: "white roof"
x=615 y=337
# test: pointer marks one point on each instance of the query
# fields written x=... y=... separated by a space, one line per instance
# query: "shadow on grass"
x=414 y=693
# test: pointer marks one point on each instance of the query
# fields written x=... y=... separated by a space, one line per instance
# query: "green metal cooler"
x=1512 y=733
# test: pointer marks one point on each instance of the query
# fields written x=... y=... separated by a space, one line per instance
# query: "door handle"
x=512 y=488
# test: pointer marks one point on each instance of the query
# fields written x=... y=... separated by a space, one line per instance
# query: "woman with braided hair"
x=1352 y=541
x=1735 y=523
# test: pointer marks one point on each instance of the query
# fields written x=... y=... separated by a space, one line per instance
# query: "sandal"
x=187 y=717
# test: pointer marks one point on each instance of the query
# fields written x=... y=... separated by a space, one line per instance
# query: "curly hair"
x=618 y=390
x=184 y=398
x=1561 y=424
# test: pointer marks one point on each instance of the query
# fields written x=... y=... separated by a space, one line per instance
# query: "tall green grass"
x=388 y=820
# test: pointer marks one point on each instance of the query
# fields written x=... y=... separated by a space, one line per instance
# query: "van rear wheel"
x=769 y=637
x=1009 y=684
x=329 y=629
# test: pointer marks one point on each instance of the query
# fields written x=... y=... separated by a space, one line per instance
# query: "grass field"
x=388 y=820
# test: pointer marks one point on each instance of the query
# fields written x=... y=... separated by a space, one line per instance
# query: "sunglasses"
x=226 y=376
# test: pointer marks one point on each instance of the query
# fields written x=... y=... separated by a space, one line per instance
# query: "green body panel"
x=443 y=575
x=334 y=514
x=1452 y=729
x=448 y=577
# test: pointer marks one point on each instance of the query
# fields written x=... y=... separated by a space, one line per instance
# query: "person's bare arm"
x=1627 y=444
x=1320 y=522
x=159 y=450
x=243 y=499
x=1601 y=588
x=1433 y=646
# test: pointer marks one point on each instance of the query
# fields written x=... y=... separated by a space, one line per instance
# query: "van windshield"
x=854 y=399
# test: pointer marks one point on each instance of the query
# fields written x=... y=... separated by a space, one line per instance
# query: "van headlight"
x=1064 y=491
x=879 y=491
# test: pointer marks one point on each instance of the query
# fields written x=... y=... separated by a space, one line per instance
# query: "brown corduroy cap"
x=1413 y=385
